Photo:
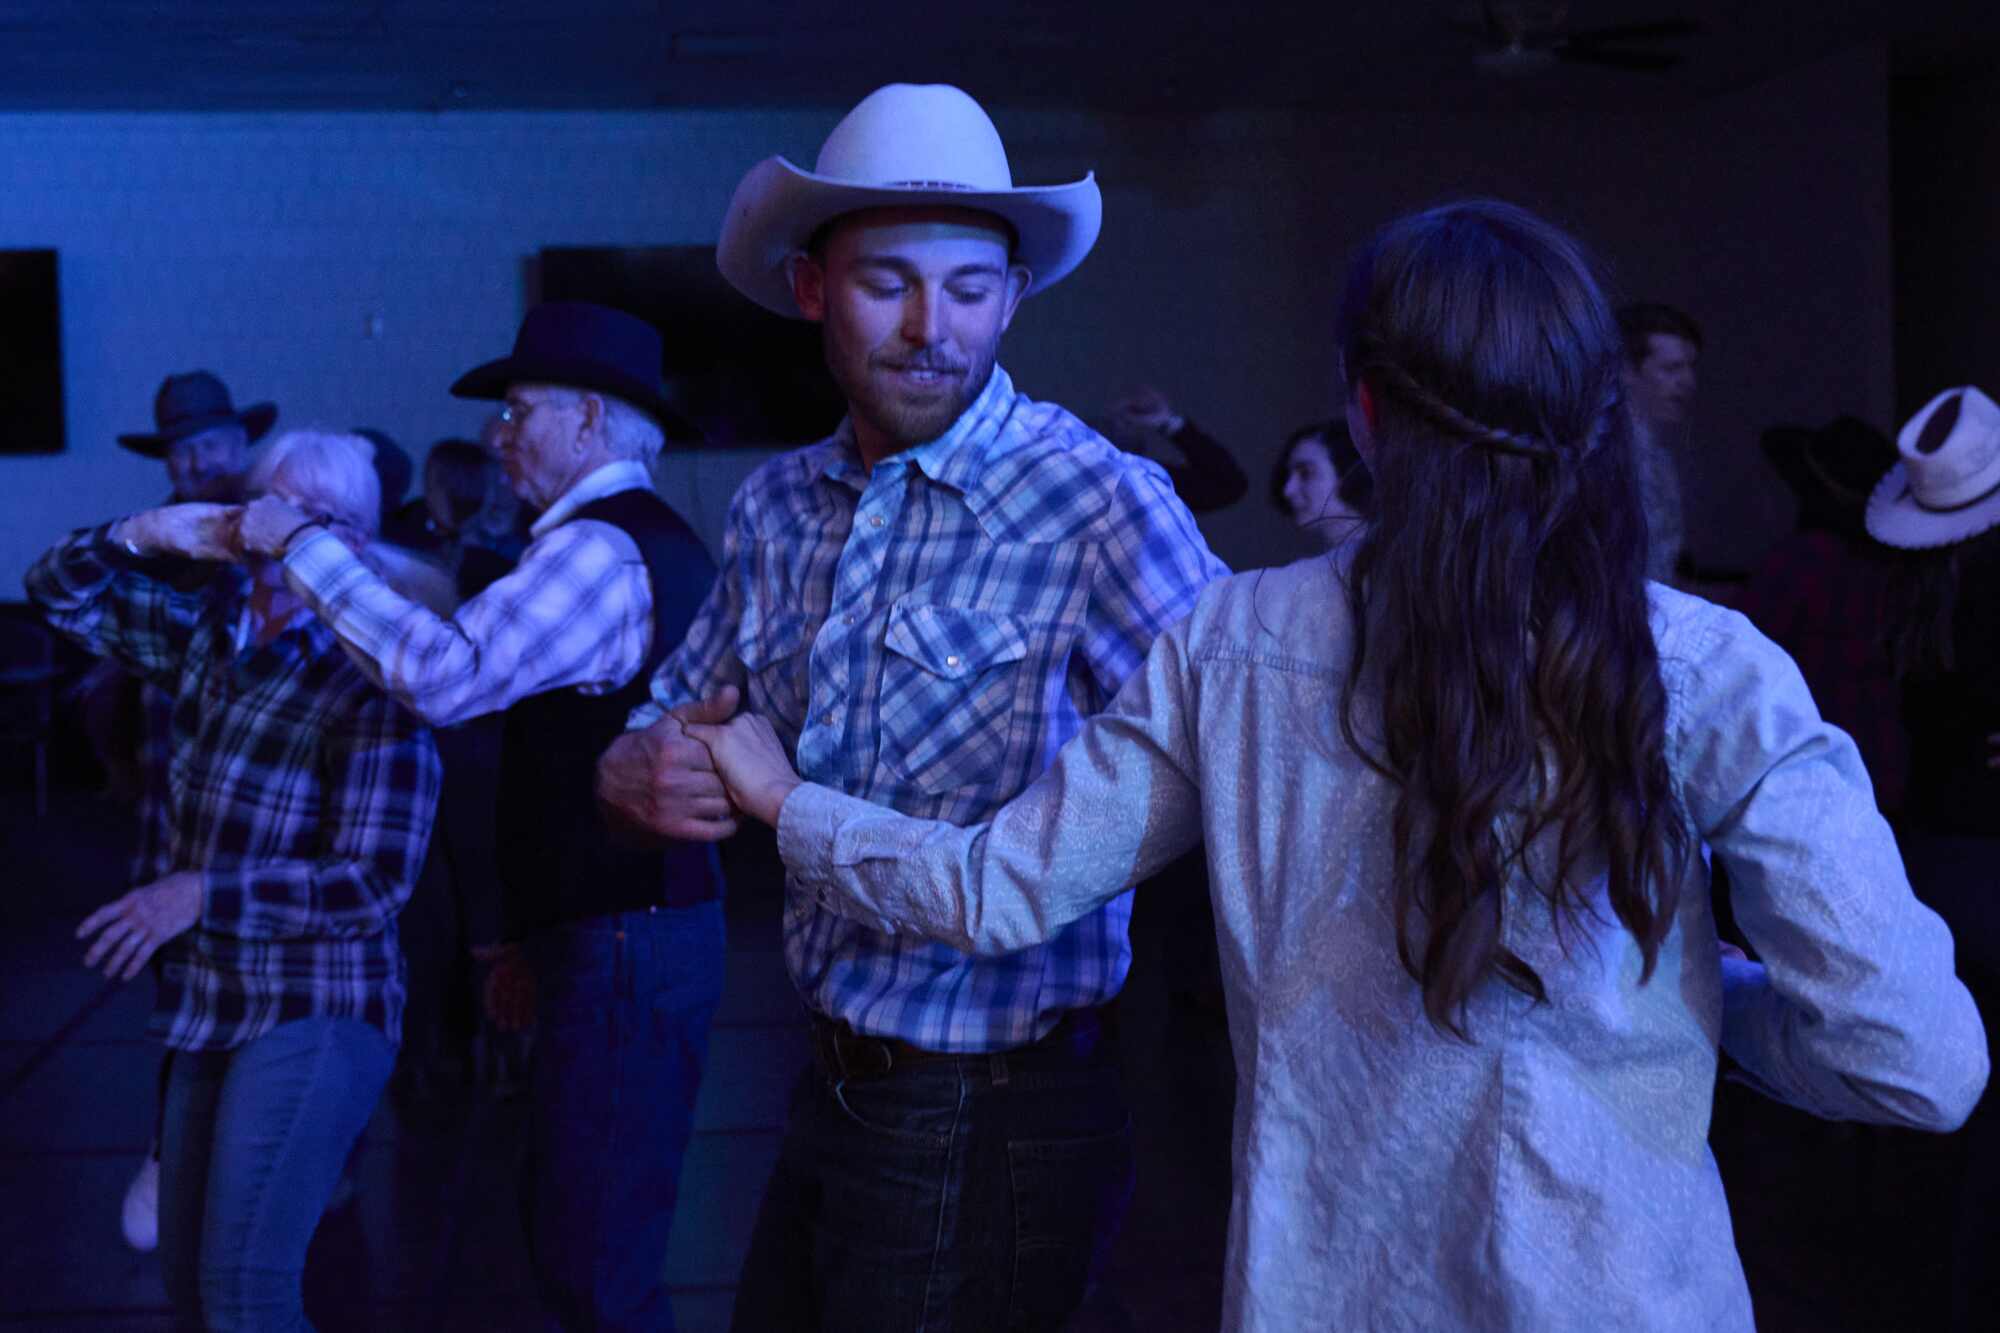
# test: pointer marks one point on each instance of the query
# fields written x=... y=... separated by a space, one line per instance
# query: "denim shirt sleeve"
x=1855 y=1011
x=1119 y=803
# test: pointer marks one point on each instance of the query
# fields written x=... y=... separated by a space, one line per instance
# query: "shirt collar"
x=954 y=458
x=624 y=474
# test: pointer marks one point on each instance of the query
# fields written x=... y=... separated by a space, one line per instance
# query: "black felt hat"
x=1840 y=461
x=190 y=404
x=583 y=346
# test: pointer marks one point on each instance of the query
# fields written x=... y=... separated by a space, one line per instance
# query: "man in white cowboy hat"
x=621 y=946
x=926 y=605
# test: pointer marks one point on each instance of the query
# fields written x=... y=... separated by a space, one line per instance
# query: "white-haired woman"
x=303 y=799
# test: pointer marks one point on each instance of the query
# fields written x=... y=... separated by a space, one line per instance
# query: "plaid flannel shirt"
x=302 y=794
x=577 y=611
x=155 y=808
x=926 y=636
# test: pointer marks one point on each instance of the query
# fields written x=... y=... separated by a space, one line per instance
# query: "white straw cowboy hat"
x=904 y=145
x=1946 y=487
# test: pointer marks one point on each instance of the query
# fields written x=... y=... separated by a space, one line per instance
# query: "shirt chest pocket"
x=951 y=688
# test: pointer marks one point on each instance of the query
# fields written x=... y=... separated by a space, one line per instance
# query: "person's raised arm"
x=576 y=611
x=96 y=586
x=1854 y=1011
x=1120 y=802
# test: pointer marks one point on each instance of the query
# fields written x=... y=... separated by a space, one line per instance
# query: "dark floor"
x=1840 y=1228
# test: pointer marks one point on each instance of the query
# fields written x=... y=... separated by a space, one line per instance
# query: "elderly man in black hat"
x=204 y=440
x=624 y=945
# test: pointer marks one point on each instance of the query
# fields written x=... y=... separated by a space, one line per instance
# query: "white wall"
x=261 y=246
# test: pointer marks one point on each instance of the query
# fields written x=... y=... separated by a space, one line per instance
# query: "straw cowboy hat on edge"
x=906 y=145
x=1946 y=486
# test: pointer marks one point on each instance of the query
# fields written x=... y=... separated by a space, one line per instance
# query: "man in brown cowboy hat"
x=925 y=605
x=621 y=946
x=201 y=436
x=203 y=439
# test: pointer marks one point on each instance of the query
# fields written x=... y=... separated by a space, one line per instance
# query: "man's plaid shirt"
x=299 y=790
x=927 y=636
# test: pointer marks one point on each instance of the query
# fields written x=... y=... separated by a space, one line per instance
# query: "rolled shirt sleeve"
x=103 y=600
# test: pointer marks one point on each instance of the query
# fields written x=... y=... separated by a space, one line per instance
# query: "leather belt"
x=842 y=1053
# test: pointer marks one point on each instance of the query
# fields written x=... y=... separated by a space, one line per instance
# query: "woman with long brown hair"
x=1453 y=780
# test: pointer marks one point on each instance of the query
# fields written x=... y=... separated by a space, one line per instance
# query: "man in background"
x=205 y=442
x=1662 y=351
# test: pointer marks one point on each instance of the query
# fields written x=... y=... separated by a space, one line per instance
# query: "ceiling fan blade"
x=1612 y=57
x=1667 y=30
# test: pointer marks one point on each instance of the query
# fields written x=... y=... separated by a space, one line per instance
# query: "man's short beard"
x=907 y=427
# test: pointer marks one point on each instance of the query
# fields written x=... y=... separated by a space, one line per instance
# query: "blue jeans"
x=252 y=1143
x=980 y=1192
x=623 y=1006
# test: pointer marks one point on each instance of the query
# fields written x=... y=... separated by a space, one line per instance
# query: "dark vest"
x=559 y=860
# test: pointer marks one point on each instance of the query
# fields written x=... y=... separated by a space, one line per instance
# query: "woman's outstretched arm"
x=1120 y=801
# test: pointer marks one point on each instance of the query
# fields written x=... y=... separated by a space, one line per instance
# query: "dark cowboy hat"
x=1838 y=462
x=583 y=346
x=190 y=404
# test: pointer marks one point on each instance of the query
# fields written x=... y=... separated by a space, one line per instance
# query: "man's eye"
x=969 y=295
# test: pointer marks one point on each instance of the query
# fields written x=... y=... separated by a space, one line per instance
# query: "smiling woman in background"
x=1321 y=484
x=1451 y=783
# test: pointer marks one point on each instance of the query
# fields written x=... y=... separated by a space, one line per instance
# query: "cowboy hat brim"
x=777 y=207
x=255 y=419
x=492 y=380
x=1896 y=519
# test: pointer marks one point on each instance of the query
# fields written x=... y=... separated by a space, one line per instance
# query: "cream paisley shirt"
x=1554 y=1173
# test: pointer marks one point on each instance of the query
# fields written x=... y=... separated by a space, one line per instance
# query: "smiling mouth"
x=925 y=375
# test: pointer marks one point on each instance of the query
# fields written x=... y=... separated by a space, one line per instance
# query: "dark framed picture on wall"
x=31 y=382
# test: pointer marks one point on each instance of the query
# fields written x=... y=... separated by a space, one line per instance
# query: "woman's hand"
x=752 y=762
x=131 y=929
x=198 y=531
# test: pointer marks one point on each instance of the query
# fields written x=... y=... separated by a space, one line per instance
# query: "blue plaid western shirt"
x=302 y=793
x=926 y=636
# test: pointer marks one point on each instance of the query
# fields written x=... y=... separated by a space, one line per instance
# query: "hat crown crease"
x=909 y=137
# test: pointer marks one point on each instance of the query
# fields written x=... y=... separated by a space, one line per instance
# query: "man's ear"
x=590 y=424
x=808 y=279
x=1019 y=278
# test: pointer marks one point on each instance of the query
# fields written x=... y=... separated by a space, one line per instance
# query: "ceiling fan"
x=1529 y=36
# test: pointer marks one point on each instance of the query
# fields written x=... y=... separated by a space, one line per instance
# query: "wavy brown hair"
x=1499 y=598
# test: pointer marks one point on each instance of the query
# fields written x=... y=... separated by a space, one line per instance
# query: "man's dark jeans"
x=623 y=1006
x=946 y=1195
